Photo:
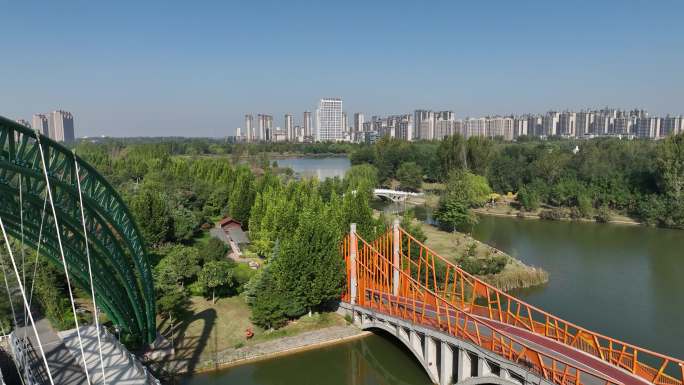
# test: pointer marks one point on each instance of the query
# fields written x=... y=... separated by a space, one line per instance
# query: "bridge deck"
x=119 y=365
x=575 y=357
x=63 y=365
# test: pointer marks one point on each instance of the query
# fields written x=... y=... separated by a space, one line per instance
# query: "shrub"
x=555 y=214
x=603 y=214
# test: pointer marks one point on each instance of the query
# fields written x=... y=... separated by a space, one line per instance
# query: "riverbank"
x=279 y=347
x=211 y=334
x=506 y=210
x=515 y=274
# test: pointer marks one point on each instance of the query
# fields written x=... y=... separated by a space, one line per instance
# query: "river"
x=623 y=281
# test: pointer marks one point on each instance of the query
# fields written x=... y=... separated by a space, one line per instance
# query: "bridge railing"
x=477 y=297
x=421 y=305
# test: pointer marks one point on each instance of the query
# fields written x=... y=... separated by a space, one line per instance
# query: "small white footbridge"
x=394 y=195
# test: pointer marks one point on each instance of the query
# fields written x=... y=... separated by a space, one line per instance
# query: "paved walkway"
x=575 y=357
x=63 y=366
x=120 y=367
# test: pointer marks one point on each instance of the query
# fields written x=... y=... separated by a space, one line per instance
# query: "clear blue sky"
x=194 y=68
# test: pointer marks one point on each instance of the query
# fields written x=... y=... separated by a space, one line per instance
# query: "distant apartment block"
x=307 y=125
x=329 y=120
x=24 y=123
x=290 y=128
x=249 y=127
x=40 y=122
x=61 y=126
x=264 y=127
x=331 y=125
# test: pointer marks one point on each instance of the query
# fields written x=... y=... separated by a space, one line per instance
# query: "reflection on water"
x=373 y=360
x=321 y=168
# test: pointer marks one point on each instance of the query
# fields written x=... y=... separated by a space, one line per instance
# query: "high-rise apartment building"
x=475 y=127
x=648 y=128
x=265 y=127
x=358 y=121
x=424 y=123
x=672 y=125
x=24 y=123
x=623 y=125
x=61 y=126
x=567 y=124
x=499 y=127
x=41 y=123
x=307 y=125
x=520 y=125
x=602 y=124
x=289 y=127
x=329 y=120
x=249 y=127
x=550 y=123
x=345 y=122
x=583 y=123
x=358 y=127
x=444 y=124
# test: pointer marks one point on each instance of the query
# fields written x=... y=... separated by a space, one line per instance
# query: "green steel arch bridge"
x=59 y=205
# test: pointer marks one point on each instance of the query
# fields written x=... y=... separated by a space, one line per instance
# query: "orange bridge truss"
x=398 y=275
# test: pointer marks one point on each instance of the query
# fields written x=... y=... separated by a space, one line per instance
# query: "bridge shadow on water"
x=370 y=356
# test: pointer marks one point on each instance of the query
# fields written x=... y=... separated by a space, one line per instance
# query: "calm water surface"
x=328 y=167
x=622 y=281
x=374 y=360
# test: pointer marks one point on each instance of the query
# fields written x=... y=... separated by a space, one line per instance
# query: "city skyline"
x=200 y=79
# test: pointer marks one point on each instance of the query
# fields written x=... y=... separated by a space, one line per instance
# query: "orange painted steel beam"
x=423 y=291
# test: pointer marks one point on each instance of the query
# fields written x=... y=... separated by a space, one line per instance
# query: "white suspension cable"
x=23 y=296
x=61 y=251
x=90 y=271
x=35 y=263
x=9 y=293
x=21 y=221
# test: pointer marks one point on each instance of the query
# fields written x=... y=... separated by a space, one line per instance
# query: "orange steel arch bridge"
x=398 y=276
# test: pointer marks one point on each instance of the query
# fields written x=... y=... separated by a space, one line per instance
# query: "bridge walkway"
x=63 y=364
x=554 y=349
x=121 y=367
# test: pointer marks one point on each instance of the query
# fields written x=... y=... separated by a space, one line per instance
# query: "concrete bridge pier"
x=446 y=359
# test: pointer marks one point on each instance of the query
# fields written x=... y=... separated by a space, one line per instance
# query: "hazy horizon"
x=179 y=69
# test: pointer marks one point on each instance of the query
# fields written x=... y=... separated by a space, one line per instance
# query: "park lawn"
x=514 y=275
x=210 y=328
x=453 y=245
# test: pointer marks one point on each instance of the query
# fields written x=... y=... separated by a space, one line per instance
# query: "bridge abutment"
x=445 y=359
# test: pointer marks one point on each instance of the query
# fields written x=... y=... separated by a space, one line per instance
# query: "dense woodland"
x=640 y=178
x=294 y=225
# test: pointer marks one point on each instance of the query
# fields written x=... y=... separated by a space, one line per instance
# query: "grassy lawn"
x=452 y=245
x=514 y=275
x=210 y=328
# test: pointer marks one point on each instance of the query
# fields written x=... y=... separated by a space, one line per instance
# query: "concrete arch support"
x=445 y=359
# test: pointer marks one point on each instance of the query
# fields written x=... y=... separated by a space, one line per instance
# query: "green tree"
x=242 y=196
x=452 y=154
x=528 y=198
x=670 y=171
x=361 y=175
x=473 y=190
x=214 y=250
x=410 y=176
x=152 y=215
x=214 y=275
x=266 y=301
x=455 y=214
x=180 y=264
x=309 y=270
